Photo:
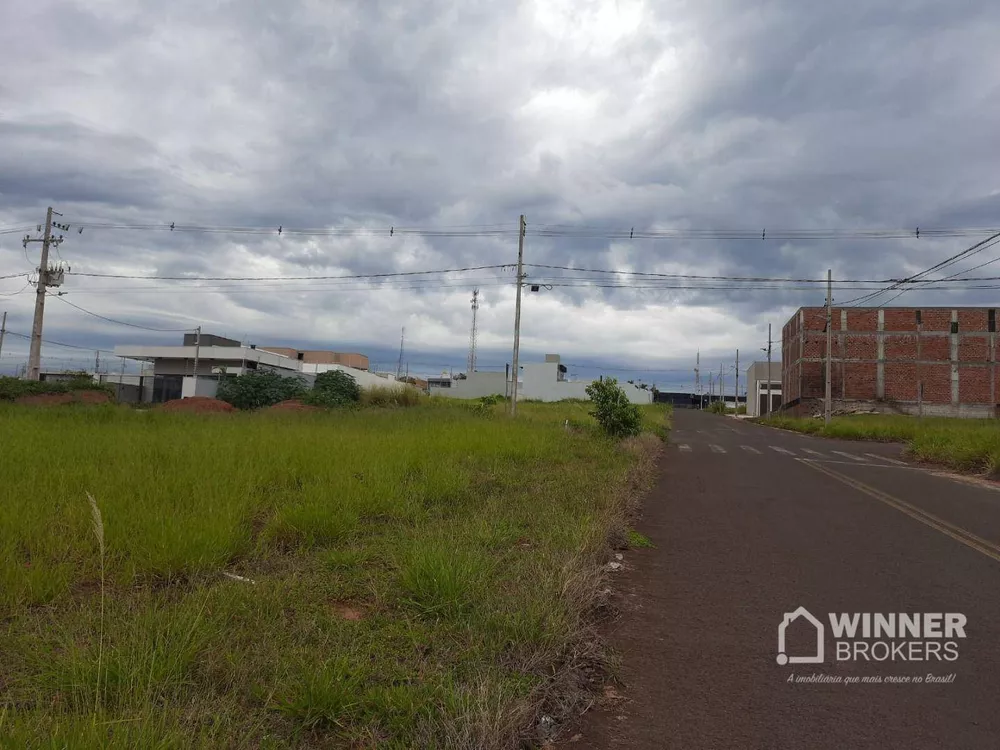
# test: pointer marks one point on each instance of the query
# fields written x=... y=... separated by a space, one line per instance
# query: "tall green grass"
x=964 y=444
x=390 y=578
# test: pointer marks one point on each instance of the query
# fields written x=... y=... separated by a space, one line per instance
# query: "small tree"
x=334 y=388
x=258 y=389
x=617 y=416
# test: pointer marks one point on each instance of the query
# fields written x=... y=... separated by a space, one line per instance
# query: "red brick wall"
x=973 y=348
x=856 y=367
x=974 y=384
x=859 y=380
x=937 y=383
x=901 y=381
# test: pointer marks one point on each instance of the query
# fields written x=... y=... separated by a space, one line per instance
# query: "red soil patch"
x=347 y=611
x=199 y=405
x=92 y=397
x=74 y=397
x=293 y=405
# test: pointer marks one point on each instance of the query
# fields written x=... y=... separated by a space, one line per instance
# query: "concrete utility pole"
x=3 y=330
x=828 y=407
x=471 y=367
x=920 y=383
x=197 y=355
x=768 y=370
x=399 y=363
x=722 y=388
x=121 y=377
x=697 y=376
x=35 y=352
x=736 y=388
x=517 y=316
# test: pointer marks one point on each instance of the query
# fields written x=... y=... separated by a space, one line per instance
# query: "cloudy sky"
x=450 y=119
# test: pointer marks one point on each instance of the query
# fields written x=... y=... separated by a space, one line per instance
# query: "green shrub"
x=12 y=389
x=258 y=389
x=334 y=388
x=613 y=411
x=389 y=396
x=492 y=399
x=718 y=407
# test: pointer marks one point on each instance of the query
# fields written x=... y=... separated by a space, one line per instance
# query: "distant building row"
x=542 y=381
x=170 y=370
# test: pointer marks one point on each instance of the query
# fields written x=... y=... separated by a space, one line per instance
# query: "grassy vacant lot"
x=394 y=578
x=965 y=444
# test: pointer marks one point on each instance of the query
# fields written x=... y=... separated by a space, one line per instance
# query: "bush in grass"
x=390 y=396
x=12 y=389
x=718 y=407
x=617 y=416
x=334 y=388
x=258 y=389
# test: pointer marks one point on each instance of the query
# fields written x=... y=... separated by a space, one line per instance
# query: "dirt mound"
x=199 y=405
x=293 y=405
x=56 y=399
x=91 y=397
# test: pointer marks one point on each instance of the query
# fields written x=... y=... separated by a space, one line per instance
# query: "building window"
x=992 y=315
x=954 y=326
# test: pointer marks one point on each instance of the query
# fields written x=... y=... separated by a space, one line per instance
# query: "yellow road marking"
x=929 y=519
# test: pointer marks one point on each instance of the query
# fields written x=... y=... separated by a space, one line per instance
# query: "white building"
x=174 y=374
x=542 y=381
x=757 y=388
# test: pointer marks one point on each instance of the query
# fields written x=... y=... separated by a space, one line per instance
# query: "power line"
x=58 y=343
x=14 y=294
x=978 y=247
x=286 y=278
x=549 y=230
x=558 y=230
x=120 y=322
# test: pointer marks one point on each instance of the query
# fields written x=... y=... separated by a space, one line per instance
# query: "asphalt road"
x=751 y=523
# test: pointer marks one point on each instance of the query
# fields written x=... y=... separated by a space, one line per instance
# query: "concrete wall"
x=538 y=382
x=361 y=377
x=477 y=385
x=206 y=387
x=756 y=380
x=940 y=360
x=321 y=356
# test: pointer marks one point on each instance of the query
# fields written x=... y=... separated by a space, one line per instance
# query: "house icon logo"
x=789 y=618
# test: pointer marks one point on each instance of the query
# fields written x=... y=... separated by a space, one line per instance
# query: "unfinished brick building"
x=937 y=361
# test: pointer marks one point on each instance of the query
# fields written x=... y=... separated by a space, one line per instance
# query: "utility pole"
x=121 y=377
x=35 y=351
x=97 y=362
x=736 y=388
x=197 y=355
x=517 y=315
x=697 y=376
x=828 y=407
x=3 y=330
x=722 y=388
x=399 y=363
x=768 y=370
x=475 y=331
